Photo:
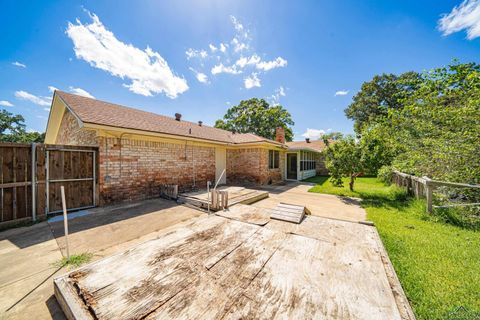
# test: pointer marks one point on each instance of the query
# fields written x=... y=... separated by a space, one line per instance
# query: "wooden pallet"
x=288 y=212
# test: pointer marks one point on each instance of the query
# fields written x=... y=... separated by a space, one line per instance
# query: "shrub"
x=385 y=174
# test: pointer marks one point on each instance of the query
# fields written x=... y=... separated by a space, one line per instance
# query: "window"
x=273 y=159
x=307 y=161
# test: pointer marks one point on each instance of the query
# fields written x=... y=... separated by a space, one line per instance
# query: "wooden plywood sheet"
x=217 y=268
x=308 y=279
x=246 y=213
x=329 y=230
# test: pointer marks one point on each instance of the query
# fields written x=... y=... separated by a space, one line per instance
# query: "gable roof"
x=313 y=145
x=103 y=113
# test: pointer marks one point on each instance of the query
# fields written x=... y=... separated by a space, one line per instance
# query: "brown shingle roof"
x=114 y=115
x=314 y=145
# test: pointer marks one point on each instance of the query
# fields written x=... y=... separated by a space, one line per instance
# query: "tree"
x=334 y=135
x=379 y=95
x=343 y=159
x=439 y=127
x=12 y=129
x=10 y=123
x=257 y=116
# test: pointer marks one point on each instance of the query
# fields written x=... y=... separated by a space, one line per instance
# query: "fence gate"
x=75 y=169
x=31 y=176
x=15 y=181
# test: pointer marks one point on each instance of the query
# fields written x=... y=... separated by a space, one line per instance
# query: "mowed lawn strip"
x=438 y=264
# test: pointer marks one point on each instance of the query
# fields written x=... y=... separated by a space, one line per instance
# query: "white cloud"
x=275 y=98
x=239 y=57
x=19 y=64
x=252 y=81
x=220 y=68
x=239 y=45
x=201 y=77
x=148 y=72
x=41 y=101
x=223 y=47
x=341 y=93
x=81 y=92
x=466 y=16
x=5 y=103
x=238 y=26
x=52 y=89
x=252 y=60
x=313 y=134
x=191 y=53
x=268 y=65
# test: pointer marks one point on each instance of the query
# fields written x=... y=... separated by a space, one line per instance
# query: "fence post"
x=34 y=182
x=65 y=220
x=429 y=194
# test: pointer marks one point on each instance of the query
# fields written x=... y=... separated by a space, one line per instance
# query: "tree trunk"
x=352 y=180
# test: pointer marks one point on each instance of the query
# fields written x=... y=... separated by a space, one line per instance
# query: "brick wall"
x=135 y=169
x=250 y=166
x=71 y=134
x=320 y=165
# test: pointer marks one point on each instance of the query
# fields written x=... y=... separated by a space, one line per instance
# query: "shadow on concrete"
x=283 y=187
x=24 y=237
x=112 y=214
x=54 y=308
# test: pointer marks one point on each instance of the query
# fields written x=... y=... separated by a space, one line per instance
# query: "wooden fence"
x=31 y=176
x=423 y=187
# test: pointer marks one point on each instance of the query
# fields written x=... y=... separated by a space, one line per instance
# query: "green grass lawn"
x=438 y=264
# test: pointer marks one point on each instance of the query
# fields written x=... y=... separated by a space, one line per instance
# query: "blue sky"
x=200 y=57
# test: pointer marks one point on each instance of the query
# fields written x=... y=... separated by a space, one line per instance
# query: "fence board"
x=65 y=162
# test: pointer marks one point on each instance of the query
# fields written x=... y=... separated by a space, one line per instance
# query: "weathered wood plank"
x=288 y=212
x=328 y=282
x=142 y=279
x=246 y=213
x=216 y=290
x=219 y=268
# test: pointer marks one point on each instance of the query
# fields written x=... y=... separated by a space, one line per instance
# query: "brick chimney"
x=178 y=116
x=280 y=135
x=307 y=140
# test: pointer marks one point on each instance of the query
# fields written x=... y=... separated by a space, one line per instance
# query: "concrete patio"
x=27 y=254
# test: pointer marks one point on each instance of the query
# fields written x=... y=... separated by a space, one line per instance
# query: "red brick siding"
x=70 y=133
x=250 y=166
x=136 y=169
x=320 y=165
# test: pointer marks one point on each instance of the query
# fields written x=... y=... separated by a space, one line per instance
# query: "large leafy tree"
x=259 y=117
x=376 y=97
x=12 y=129
x=439 y=126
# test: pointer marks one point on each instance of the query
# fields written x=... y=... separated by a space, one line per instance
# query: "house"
x=138 y=150
x=304 y=159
